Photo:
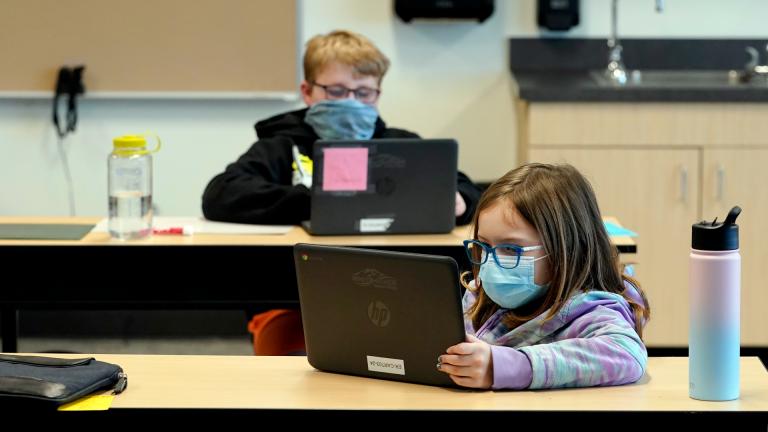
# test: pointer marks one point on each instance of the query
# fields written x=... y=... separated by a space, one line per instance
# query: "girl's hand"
x=469 y=364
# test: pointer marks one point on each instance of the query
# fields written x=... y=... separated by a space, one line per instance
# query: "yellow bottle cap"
x=130 y=145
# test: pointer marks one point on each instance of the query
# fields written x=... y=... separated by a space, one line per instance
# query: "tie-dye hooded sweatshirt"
x=591 y=341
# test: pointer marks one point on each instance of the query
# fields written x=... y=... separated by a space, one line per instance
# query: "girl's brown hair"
x=561 y=205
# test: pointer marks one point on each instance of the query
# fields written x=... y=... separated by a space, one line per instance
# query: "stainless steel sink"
x=681 y=79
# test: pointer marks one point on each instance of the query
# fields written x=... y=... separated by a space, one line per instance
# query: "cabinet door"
x=653 y=192
x=739 y=177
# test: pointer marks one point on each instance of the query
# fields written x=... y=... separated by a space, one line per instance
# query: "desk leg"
x=10 y=329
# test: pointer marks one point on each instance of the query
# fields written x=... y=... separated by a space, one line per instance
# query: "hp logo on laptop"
x=378 y=313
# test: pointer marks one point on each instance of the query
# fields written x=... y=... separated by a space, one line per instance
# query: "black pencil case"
x=56 y=381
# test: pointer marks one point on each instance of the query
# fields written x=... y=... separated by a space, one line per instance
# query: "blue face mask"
x=342 y=119
x=511 y=288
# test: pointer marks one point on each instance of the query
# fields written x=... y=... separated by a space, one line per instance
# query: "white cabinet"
x=740 y=176
x=660 y=168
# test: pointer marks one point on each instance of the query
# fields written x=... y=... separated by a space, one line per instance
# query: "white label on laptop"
x=386 y=365
x=375 y=224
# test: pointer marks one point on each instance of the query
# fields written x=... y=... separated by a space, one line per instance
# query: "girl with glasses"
x=548 y=304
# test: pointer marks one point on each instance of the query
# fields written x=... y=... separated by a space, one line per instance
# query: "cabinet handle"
x=719 y=182
x=683 y=183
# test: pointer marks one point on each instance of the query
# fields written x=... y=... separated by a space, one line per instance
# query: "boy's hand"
x=469 y=363
x=461 y=206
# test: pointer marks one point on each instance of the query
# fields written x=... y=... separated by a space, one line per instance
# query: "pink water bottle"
x=713 y=338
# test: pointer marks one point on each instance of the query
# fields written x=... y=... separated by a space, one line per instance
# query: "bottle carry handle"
x=157 y=138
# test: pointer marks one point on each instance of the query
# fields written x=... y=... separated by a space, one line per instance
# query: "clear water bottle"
x=130 y=187
x=714 y=339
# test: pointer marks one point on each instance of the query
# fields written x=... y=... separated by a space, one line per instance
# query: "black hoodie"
x=257 y=188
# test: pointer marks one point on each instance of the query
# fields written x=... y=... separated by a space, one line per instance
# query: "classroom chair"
x=277 y=332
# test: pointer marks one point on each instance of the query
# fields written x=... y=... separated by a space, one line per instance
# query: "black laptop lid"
x=378 y=313
x=384 y=186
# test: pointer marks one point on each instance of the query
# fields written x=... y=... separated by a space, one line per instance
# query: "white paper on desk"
x=203 y=226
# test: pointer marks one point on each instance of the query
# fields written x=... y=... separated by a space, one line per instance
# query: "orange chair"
x=277 y=332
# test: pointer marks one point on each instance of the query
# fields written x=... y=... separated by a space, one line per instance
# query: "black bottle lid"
x=715 y=236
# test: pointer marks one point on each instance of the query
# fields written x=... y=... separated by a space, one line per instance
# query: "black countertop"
x=569 y=70
x=581 y=86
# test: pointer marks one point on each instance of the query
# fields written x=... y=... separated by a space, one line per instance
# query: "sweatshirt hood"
x=290 y=124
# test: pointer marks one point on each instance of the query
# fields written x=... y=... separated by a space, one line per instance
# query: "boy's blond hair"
x=347 y=48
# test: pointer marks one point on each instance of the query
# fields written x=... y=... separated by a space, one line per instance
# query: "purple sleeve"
x=599 y=347
x=511 y=368
x=466 y=302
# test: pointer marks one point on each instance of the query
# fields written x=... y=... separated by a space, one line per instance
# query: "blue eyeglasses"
x=505 y=255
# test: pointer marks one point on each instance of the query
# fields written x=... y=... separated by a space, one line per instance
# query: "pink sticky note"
x=345 y=169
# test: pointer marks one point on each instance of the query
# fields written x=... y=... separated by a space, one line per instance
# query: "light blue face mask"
x=511 y=288
x=342 y=119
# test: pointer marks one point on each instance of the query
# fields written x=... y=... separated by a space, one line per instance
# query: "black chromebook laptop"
x=383 y=186
x=378 y=314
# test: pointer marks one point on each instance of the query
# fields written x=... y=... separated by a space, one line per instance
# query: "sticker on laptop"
x=345 y=169
x=386 y=365
x=368 y=225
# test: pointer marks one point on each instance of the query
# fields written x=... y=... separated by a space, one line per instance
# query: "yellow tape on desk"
x=100 y=402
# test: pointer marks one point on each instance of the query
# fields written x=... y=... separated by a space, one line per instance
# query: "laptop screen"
x=378 y=313
x=384 y=186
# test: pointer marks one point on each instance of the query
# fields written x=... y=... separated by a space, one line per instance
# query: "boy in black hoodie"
x=343 y=73
x=270 y=183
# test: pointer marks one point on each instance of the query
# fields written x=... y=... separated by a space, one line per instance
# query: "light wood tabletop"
x=295 y=235
x=290 y=383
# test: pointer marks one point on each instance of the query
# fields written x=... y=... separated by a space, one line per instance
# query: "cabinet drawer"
x=648 y=124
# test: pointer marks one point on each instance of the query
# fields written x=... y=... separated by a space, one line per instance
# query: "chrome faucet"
x=753 y=67
x=616 y=71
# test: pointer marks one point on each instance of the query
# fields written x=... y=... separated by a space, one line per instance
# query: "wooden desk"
x=220 y=271
x=625 y=244
x=289 y=385
x=296 y=235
